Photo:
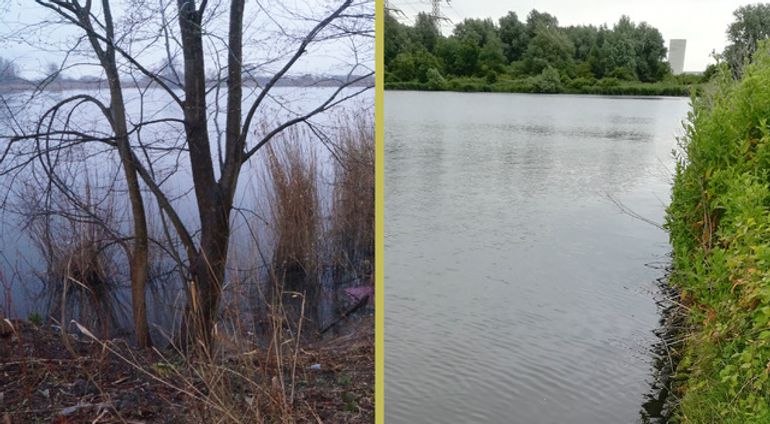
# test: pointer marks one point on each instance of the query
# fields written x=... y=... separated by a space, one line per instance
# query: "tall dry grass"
x=352 y=225
x=292 y=177
x=242 y=380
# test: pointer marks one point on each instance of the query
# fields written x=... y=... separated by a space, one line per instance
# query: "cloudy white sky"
x=32 y=44
x=702 y=22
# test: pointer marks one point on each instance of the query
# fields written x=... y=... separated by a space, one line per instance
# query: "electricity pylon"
x=436 y=11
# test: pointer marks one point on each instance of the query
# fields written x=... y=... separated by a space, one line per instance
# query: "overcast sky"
x=32 y=46
x=702 y=22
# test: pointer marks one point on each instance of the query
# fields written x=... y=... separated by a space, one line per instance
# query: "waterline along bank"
x=538 y=84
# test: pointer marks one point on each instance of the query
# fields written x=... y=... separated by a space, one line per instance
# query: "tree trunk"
x=208 y=266
x=139 y=254
x=208 y=273
x=139 y=257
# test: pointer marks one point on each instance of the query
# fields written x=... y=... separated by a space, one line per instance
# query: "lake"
x=517 y=290
x=22 y=268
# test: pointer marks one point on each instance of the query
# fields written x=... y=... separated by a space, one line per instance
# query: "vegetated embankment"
x=543 y=85
x=719 y=223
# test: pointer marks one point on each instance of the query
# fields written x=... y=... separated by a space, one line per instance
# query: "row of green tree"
x=512 y=48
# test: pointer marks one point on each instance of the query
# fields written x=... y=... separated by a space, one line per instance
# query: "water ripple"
x=515 y=292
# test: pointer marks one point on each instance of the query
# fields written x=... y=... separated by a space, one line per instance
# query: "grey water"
x=517 y=290
x=22 y=268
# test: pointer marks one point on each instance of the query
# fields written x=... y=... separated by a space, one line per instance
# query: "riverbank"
x=719 y=223
x=660 y=404
x=608 y=86
x=45 y=379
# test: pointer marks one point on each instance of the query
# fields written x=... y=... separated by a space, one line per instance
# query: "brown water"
x=516 y=291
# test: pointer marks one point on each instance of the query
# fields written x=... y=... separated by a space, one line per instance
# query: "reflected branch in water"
x=626 y=210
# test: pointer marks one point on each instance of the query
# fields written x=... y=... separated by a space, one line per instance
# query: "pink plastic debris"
x=358 y=293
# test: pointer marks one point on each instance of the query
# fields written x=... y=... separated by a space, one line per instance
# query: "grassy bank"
x=719 y=224
x=539 y=84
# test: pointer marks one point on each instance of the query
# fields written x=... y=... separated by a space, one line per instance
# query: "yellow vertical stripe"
x=379 y=199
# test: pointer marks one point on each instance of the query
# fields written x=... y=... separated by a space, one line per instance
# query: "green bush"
x=491 y=77
x=435 y=80
x=719 y=225
x=623 y=73
x=581 y=82
x=549 y=81
x=609 y=82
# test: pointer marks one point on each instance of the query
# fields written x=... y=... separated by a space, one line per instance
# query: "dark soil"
x=43 y=380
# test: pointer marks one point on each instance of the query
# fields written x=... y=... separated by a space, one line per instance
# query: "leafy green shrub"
x=491 y=77
x=549 y=81
x=719 y=225
x=435 y=80
x=623 y=73
x=609 y=82
x=581 y=82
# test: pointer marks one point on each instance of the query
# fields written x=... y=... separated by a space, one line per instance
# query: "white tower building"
x=676 y=48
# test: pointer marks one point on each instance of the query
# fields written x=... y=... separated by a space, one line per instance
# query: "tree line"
x=537 y=54
x=513 y=48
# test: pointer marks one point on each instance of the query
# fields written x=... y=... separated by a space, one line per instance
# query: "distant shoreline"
x=630 y=89
x=64 y=85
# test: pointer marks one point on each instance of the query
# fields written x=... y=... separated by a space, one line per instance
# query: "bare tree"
x=8 y=71
x=118 y=46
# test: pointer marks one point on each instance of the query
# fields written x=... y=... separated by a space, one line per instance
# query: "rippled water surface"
x=516 y=289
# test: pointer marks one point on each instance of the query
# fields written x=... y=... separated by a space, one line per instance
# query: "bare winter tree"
x=8 y=71
x=119 y=40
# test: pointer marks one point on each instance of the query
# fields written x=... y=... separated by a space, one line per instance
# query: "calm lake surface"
x=21 y=266
x=516 y=290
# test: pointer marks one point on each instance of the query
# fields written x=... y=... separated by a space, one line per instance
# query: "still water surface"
x=22 y=269
x=516 y=291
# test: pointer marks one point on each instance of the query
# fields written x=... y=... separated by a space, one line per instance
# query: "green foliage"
x=411 y=66
x=581 y=82
x=491 y=56
x=719 y=225
x=491 y=77
x=396 y=38
x=425 y=32
x=712 y=70
x=583 y=38
x=751 y=26
x=580 y=85
x=651 y=62
x=687 y=78
x=548 y=48
x=624 y=73
x=513 y=35
x=514 y=50
x=549 y=81
x=35 y=318
x=474 y=49
x=460 y=57
x=537 y=21
x=435 y=81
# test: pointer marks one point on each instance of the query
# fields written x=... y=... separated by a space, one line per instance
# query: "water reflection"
x=515 y=289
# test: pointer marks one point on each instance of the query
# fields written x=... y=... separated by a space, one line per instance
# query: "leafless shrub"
x=78 y=249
